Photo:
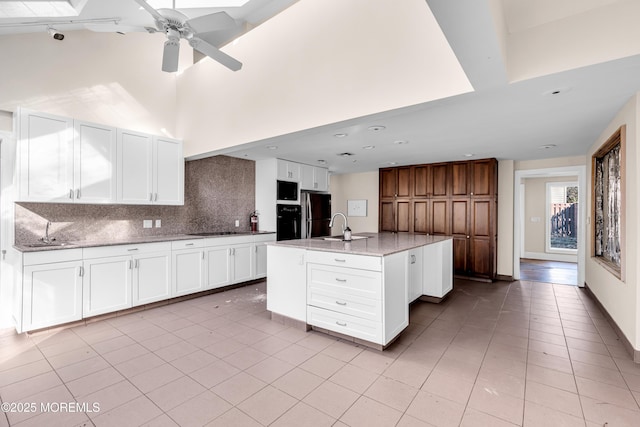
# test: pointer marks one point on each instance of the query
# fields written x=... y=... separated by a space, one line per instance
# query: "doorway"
x=549 y=263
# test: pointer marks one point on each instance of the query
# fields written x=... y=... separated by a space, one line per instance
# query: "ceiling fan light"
x=171 y=55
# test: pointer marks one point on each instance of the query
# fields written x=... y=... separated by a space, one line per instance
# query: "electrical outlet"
x=147 y=223
x=158 y=223
x=237 y=223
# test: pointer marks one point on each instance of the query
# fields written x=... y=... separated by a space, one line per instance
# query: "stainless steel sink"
x=340 y=239
x=47 y=245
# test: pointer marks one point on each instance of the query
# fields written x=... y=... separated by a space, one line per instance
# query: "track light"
x=55 y=33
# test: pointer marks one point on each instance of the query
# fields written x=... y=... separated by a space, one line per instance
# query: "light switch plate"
x=237 y=223
x=147 y=223
x=158 y=223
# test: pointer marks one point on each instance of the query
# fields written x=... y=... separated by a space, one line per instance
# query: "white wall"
x=100 y=77
x=620 y=298
x=355 y=186
x=318 y=62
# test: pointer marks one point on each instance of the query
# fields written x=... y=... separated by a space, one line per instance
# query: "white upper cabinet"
x=135 y=171
x=168 y=173
x=314 y=178
x=61 y=160
x=45 y=165
x=94 y=163
x=289 y=171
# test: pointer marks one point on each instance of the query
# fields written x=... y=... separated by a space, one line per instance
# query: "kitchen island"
x=360 y=289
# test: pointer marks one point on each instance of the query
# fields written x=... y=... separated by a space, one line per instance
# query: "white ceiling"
x=507 y=117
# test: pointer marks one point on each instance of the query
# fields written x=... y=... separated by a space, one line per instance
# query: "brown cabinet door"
x=482 y=258
x=387 y=218
x=461 y=255
x=388 y=183
x=420 y=216
x=460 y=217
x=439 y=216
x=403 y=215
x=484 y=177
x=404 y=182
x=482 y=218
x=421 y=181
x=460 y=179
x=439 y=185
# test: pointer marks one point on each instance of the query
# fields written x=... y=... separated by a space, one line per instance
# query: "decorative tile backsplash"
x=218 y=190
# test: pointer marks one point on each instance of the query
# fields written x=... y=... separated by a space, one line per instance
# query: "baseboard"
x=635 y=354
x=543 y=256
x=504 y=278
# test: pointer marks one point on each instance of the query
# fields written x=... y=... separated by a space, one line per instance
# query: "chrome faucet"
x=46 y=238
x=346 y=231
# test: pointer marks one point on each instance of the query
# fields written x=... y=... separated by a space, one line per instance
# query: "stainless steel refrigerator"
x=316 y=214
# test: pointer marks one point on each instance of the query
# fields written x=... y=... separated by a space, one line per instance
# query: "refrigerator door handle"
x=309 y=217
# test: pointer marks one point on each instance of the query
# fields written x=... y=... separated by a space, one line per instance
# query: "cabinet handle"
x=130 y=264
x=151 y=197
x=341 y=323
x=467 y=237
x=413 y=259
x=340 y=280
x=339 y=260
x=71 y=193
x=78 y=193
x=255 y=249
x=81 y=271
x=202 y=254
x=132 y=249
x=136 y=264
x=189 y=244
x=341 y=303
x=155 y=199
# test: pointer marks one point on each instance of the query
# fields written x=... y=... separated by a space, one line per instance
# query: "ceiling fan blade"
x=214 y=53
x=171 y=56
x=211 y=22
x=156 y=15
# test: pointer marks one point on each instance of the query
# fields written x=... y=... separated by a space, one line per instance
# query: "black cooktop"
x=217 y=233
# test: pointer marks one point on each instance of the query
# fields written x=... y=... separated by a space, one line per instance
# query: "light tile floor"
x=498 y=354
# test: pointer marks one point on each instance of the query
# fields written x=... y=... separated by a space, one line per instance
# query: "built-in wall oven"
x=288 y=222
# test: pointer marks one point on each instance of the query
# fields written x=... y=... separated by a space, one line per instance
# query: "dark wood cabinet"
x=457 y=199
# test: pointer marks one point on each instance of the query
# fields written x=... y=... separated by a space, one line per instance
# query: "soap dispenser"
x=347 y=235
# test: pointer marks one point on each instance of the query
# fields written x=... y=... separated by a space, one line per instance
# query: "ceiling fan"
x=176 y=25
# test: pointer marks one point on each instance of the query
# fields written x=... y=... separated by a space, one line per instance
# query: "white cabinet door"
x=307 y=177
x=437 y=270
x=151 y=277
x=52 y=294
x=260 y=252
x=168 y=174
x=188 y=271
x=107 y=285
x=241 y=262
x=415 y=259
x=321 y=179
x=218 y=266
x=95 y=163
x=289 y=171
x=135 y=170
x=45 y=154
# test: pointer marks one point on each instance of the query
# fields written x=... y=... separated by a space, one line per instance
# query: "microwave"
x=287 y=190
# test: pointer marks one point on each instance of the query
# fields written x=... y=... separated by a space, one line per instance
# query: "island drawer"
x=345 y=281
x=357 y=327
x=366 y=308
x=363 y=262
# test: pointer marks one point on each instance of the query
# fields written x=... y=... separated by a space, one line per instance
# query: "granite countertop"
x=38 y=247
x=376 y=244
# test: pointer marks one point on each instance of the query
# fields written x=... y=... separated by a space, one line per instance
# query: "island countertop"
x=376 y=244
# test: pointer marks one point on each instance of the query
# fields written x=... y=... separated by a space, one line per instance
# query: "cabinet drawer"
x=119 y=250
x=187 y=244
x=267 y=237
x=228 y=240
x=345 y=281
x=346 y=260
x=366 y=308
x=47 y=257
x=343 y=323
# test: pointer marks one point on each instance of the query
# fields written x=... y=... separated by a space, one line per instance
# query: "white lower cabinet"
x=52 y=294
x=260 y=250
x=218 y=266
x=107 y=285
x=415 y=272
x=241 y=262
x=437 y=271
x=151 y=277
x=189 y=268
x=287 y=282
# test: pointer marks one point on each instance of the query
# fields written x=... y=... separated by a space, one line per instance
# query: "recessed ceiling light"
x=376 y=128
x=340 y=135
x=368 y=147
x=548 y=146
x=322 y=162
x=400 y=142
x=272 y=147
x=557 y=91
x=392 y=163
x=345 y=154
x=468 y=155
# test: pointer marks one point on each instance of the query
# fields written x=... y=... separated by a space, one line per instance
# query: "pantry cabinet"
x=457 y=199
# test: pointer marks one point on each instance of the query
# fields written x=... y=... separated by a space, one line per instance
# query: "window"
x=562 y=217
x=607 y=165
